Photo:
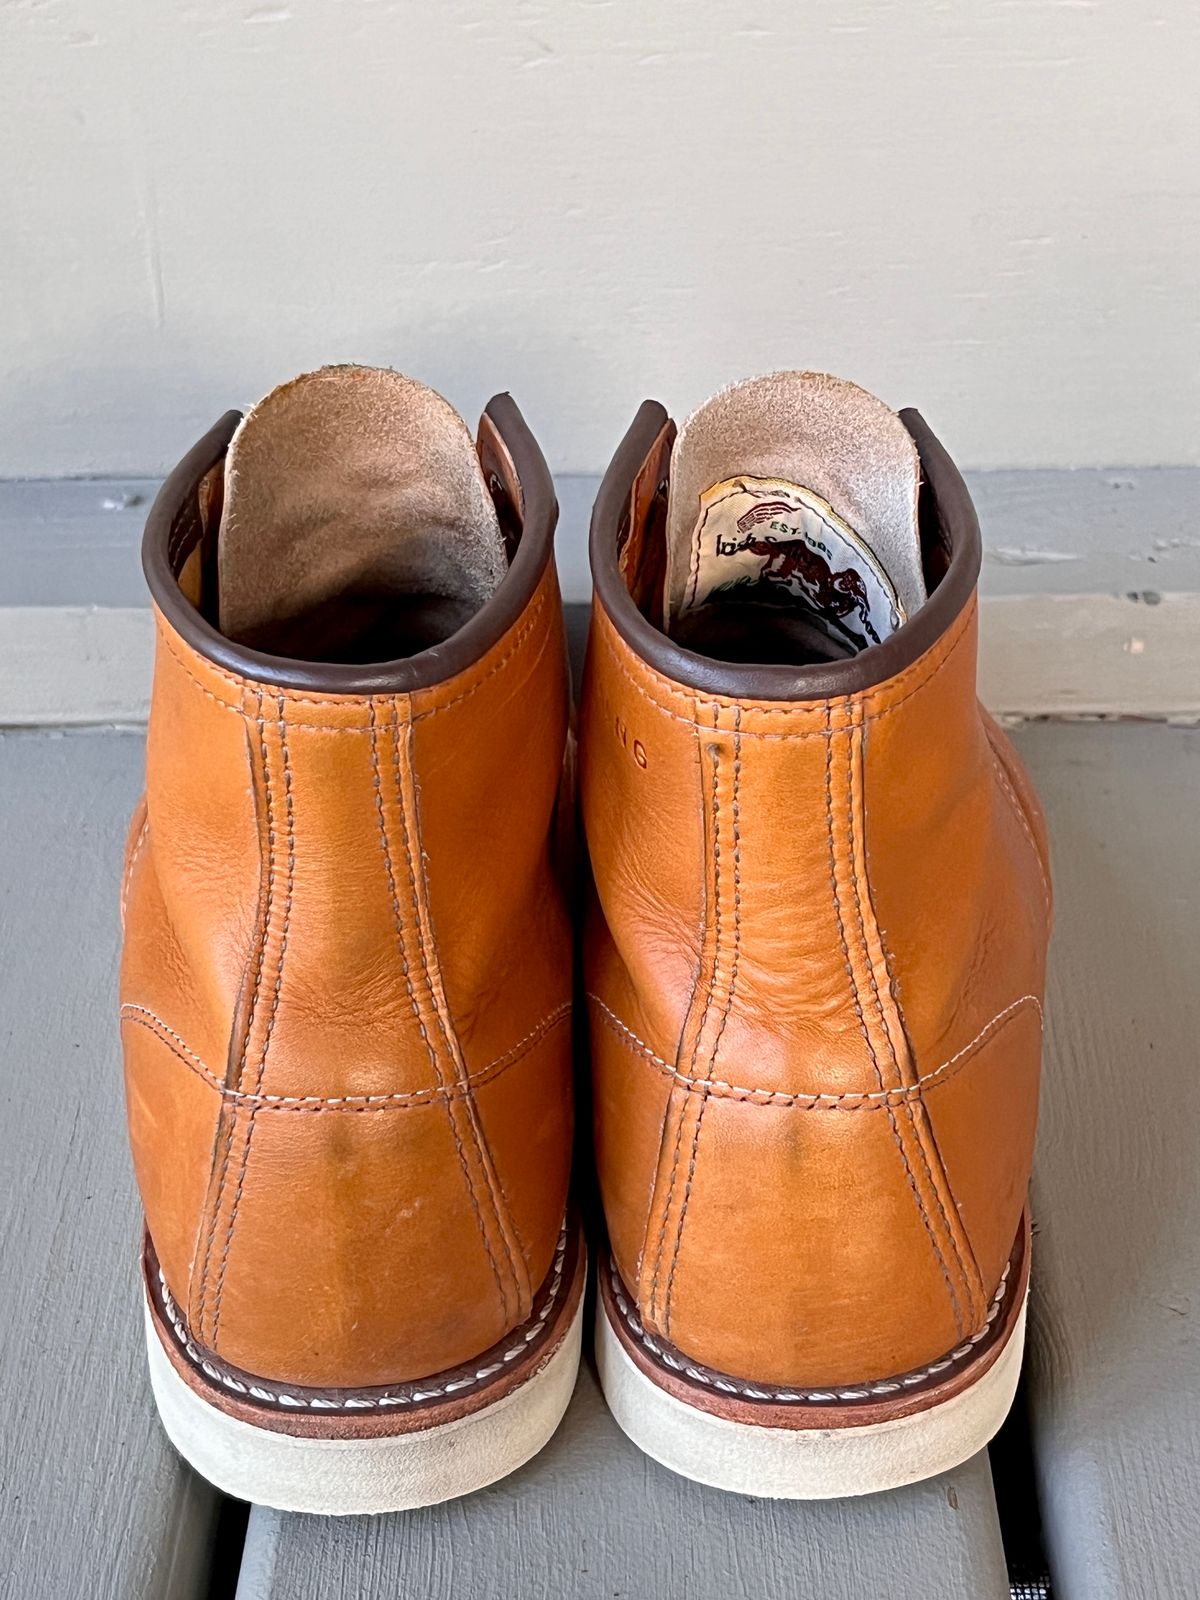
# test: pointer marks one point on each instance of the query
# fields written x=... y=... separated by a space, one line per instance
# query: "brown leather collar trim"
x=956 y=521
x=533 y=502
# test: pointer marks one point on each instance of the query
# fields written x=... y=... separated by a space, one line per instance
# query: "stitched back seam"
x=335 y=702
x=912 y=680
x=228 y=1128
x=708 y=809
x=849 y=1100
x=142 y=1017
x=727 y=1007
x=277 y=988
x=415 y=1004
x=463 y=1107
x=918 y=1121
x=856 y=997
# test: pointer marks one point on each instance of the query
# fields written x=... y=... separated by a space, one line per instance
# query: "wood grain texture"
x=1040 y=655
x=76 y=542
x=990 y=209
x=1114 y=1373
x=592 y=1518
x=93 y=1501
x=1061 y=655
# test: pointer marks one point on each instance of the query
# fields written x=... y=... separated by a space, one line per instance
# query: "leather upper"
x=346 y=980
x=815 y=966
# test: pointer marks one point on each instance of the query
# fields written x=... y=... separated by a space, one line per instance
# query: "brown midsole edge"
x=415 y=1417
x=799 y=1415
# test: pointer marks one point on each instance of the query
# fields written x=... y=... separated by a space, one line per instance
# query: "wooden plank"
x=75 y=666
x=1114 y=1374
x=1041 y=655
x=92 y=1498
x=75 y=541
x=1060 y=655
x=591 y=1517
x=1090 y=588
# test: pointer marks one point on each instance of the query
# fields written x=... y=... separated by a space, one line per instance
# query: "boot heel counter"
x=335 y=1181
x=814 y=1167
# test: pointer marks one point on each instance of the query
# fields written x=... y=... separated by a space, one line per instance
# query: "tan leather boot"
x=347 y=971
x=816 y=950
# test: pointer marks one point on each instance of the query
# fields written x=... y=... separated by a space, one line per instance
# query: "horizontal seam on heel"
x=852 y=1100
x=143 y=1017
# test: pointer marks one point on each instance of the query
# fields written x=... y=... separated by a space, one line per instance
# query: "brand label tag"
x=764 y=541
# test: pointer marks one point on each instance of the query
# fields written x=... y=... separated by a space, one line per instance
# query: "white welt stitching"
x=716 y=1380
x=355 y=1102
x=403 y=1395
x=1018 y=811
x=133 y=861
x=818 y=1101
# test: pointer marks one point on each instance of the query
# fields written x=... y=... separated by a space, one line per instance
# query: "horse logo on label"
x=793 y=560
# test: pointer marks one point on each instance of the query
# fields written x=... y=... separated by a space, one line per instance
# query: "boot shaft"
x=815 y=965
x=346 y=981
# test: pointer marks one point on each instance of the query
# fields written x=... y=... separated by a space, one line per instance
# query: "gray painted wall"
x=990 y=209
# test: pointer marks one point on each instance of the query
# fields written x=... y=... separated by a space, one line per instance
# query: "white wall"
x=987 y=207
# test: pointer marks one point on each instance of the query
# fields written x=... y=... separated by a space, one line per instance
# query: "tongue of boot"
x=792 y=522
x=357 y=525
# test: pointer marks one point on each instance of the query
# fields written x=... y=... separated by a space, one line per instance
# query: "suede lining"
x=818 y=432
x=354 y=507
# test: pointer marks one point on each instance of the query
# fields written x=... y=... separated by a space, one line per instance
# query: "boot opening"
x=792 y=532
x=356 y=524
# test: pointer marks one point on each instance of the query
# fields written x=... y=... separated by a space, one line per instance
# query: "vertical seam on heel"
x=406 y=972
x=1026 y=826
x=427 y=953
x=856 y=997
x=725 y=1012
x=710 y=810
x=285 y=928
x=965 y=1283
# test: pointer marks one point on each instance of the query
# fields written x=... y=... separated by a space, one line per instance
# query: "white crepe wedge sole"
x=344 y=1476
x=805 y=1463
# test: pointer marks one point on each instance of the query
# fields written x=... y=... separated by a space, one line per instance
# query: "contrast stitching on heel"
x=727 y=1008
x=406 y=971
x=663 y=1133
x=850 y=1100
x=133 y=861
x=811 y=709
x=897 y=1135
x=713 y=1379
x=142 y=1017
x=333 y=702
x=260 y=962
x=416 y=864
x=961 y=1321
x=962 y=1316
x=285 y=928
x=708 y=997
x=364 y=1399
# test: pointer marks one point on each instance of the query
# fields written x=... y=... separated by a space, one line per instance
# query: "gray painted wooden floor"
x=1115 y=1369
x=92 y=1502
x=593 y=1518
